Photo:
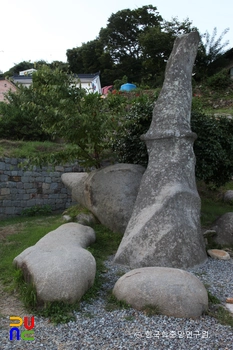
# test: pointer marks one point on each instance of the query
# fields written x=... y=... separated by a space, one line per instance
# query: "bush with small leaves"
x=213 y=147
x=219 y=81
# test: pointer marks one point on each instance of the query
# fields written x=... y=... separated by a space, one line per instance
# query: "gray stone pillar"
x=164 y=229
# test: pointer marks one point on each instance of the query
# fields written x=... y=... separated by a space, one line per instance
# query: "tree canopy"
x=120 y=37
x=137 y=43
x=55 y=106
x=24 y=65
x=210 y=57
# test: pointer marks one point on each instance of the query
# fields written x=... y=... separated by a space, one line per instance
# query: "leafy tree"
x=126 y=144
x=121 y=34
x=118 y=82
x=157 y=46
x=219 y=81
x=121 y=38
x=157 y=43
x=91 y=58
x=75 y=60
x=213 y=147
x=66 y=111
x=175 y=27
x=213 y=46
x=55 y=64
x=18 y=119
x=24 y=65
x=211 y=50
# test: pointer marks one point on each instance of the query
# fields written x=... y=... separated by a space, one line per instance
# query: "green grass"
x=25 y=149
x=211 y=210
x=151 y=310
x=217 y=311
x=212 y=204
x=23 y=232
x=212 y=298
x=219 y=111
x=74 y=210
x=106 y=244
x=222 y=315
x=227 y=186
x=26 y=232
x=113 y=303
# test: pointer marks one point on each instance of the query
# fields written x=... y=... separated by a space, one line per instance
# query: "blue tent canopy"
x=128 y=87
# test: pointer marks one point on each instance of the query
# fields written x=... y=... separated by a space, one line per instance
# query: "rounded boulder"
x=58 y=265
x=109 y=193
x=173 y=292
x=224 y=229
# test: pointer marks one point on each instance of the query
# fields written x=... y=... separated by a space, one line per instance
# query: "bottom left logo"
x=27 y=334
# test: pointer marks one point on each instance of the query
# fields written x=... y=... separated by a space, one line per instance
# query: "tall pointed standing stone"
x=164 y=229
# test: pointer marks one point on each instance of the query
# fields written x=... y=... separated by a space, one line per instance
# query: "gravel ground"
x=96 y=328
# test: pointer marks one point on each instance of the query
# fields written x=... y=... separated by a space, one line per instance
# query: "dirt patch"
x=15 y=144
x=10 y=230
x=10 y=304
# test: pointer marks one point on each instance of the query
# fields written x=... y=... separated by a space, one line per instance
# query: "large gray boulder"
x=58 y=265
x=164 y=229
x=173 y=292
x=224 y=229
x=109 y=193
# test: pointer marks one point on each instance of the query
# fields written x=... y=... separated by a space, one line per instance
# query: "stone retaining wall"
x=20 y=189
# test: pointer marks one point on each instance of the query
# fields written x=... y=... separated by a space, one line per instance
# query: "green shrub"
x=213 y=147
x=126 y=143
x=118 y=82
x=18 y=120
x=219 y=81
x=37 y=210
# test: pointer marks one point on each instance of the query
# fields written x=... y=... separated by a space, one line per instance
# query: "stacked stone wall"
x=20 y=189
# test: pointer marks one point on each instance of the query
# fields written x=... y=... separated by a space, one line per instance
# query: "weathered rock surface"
x=109 y=193
x=86 y=219
x=229 y=307
x=164 y=229
x=66 y=217
x=224 y=228
x=75 y=182
x=228 y=196
x=58 y=265
x=218 y=254
x=208 y=235
x=174 y=292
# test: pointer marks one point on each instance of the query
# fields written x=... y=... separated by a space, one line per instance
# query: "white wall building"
x=90 y=82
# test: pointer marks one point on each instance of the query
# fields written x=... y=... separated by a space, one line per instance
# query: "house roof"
x=90 y=76
x=86 y=77
x=26 y=79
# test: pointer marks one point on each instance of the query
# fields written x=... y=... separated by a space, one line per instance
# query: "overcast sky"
x=33 y=30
